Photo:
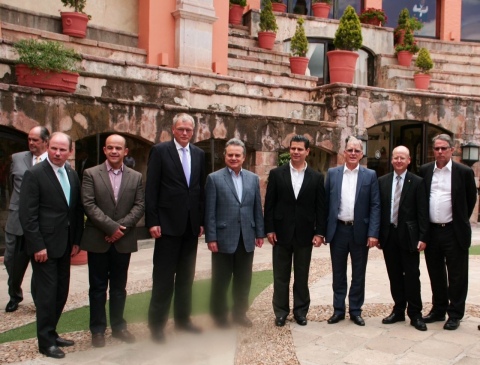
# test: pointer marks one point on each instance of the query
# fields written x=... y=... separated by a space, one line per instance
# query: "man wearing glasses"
x=452 y=195
x=353 y=225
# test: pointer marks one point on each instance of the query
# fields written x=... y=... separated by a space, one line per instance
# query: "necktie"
x=38 y=160
x=64 y=182
x=186 y=169
x=396 y=201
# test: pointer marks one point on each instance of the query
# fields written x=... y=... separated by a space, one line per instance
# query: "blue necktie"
x=64 y=182
x=186 y=170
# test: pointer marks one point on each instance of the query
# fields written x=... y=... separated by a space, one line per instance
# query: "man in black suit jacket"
x=403 y=235
x=295 y=219
x=452 y=196
x=174 y=214
x=52 y=222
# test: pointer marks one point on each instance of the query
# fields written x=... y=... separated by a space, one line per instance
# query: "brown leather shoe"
x=124 y=335
x=98 y=340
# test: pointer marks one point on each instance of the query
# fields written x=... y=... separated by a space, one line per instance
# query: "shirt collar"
x=179 y=146
x=448 y=166
x=110 y=168
x=54 y=167
x=43 y=156
x=345 y=168
x=295 y=170
x=233 y=172
x=402 y=175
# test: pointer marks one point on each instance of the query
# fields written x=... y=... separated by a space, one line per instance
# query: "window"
x=424 y=10
x=470 y=23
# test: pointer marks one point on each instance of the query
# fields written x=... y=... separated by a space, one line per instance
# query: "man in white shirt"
x=452 y=195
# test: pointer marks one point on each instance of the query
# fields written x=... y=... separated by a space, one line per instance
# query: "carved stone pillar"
x=194 y=34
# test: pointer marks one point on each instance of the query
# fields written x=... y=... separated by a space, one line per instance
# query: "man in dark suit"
x=294 y=221
x=233 y=227
x=52 y=220
x=174 y=214
x=15 y=257
x=452 y=196
x=403 y=235
x=113 y=199
x=353 y=225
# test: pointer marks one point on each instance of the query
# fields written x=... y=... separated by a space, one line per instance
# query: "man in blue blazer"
x=174 y=209
x=353 y=226
x=233 y=227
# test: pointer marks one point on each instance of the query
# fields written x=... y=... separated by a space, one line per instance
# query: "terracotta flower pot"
x=342 y=65
x=64 y=81
x=374 y=21
x=266 y=40
x=235 y=15
x=422 y=81
x=400 y=36
x=74 y=24
x=279 y=7
x=321 y=10
x=298 y=65
x=404 y=58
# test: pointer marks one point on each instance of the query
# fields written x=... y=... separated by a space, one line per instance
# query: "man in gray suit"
x=113 y=200
x=233 y=227
x=16 y=259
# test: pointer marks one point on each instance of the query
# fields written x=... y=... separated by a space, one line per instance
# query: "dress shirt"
x=349 y=189
x=115 y=178
x=297 y=178
x=189 y=157
x=56 y=168
x=43 y=156
x=394 y=186
x=441 y=194
x=237 y=181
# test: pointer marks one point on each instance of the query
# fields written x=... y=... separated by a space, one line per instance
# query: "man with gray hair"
x=452 y=195
x=233 y=227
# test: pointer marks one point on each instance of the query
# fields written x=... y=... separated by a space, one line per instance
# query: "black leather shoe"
x=124 y=335
x=451 y=324
x=419 y=324
x=243 y=321
x=188 y=327
x=280 y=321
x=63 y=342
x=358 y=320
x=158 y=336
x=433 y=317
x=393 y=318
x=12 y=306
x=336 y=318
x=52 y=351
x=98 y=340
x=302 y=321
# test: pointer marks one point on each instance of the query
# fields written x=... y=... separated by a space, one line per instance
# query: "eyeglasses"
x=351 y=150
x=184 y=130
x=443 y=149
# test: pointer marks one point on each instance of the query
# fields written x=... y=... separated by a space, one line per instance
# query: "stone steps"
x=273 y=78
x=440 y=86
x=444 y=47
x=440 y=75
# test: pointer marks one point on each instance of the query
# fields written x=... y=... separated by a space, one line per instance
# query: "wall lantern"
x=470 y=153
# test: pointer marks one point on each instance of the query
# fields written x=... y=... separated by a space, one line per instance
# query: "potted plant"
x=373 y=16
x=299 y=49
x=348 y=39
x=235 y=15
x=268 y=26
x=405 y=44
x=46 y=64
x=405 y=22
x=321 y=8
x=279 y=6
x=75 y=23
x=425 y=64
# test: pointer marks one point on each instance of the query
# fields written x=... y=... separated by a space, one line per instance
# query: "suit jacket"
x=48 y=221
x=169 y=200
x=104 y=215
x=290 y=218
x=464 y=197
x=21 y=162
x=226 y=216
x=367 y=203
x=413 y=219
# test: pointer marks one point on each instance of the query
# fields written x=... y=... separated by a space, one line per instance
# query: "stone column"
x=194 y=34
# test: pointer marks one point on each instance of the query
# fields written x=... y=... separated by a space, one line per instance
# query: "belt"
x=346 y=223
x=441 y=225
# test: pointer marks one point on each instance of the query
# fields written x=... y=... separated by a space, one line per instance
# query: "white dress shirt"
x=180 y=152
x=297 y=178
x=441 y=194
x=349 y=189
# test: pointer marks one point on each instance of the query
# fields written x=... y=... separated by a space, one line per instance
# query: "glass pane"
x=317 y=61
x=470 y=17
x=424 y=10
x=378 y=153
x=341 y=5
x=361 y=70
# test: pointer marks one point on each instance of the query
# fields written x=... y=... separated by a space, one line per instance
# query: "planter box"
x=74 y=24
x=64 y=81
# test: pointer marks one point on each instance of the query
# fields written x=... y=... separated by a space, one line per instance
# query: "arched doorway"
x=317 y=159
x=416 y=136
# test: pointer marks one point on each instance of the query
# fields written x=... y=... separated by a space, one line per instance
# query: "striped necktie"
x=396 y=200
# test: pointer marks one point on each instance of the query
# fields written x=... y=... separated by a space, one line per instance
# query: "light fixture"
x=470 y=153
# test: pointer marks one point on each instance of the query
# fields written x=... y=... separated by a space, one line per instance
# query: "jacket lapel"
x=287 y=178
x=106 y=180
x=125 y=182
x=306 y=180
x=361 y=176
x=172 y=150
x=406 y=187
x=229 y=182
x=54 y=180
x=27 y=159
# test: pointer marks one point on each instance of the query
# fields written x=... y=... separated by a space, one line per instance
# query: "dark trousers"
x=52 y=280
x=173 y=269
x=104 y=270
x=404 y=275
x=342 y=245
x=16 y=262
x=225 y=266
x=282 y=268
x=447 y=264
